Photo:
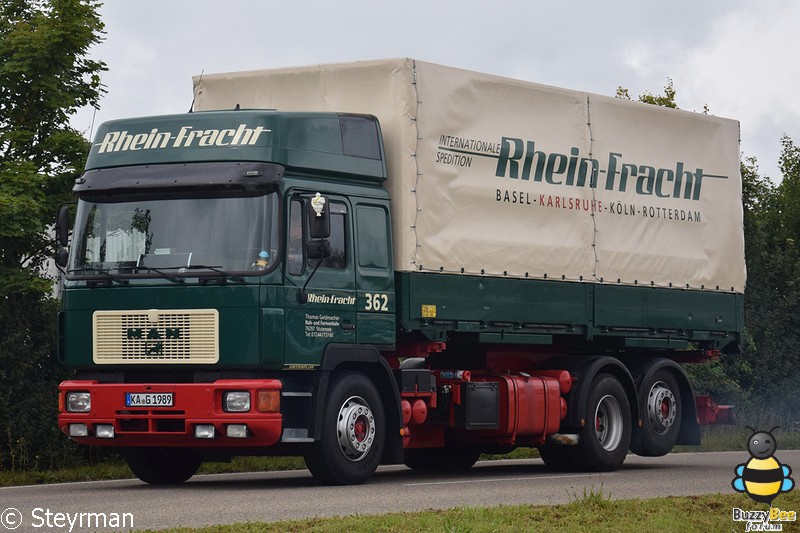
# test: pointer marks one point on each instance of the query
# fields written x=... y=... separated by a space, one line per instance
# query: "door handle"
x=347 y=325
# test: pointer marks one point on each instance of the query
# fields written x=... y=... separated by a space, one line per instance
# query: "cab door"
x=374 y=273
x=329 y=312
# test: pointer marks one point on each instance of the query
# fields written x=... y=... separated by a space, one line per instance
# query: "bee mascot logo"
x=762 y=477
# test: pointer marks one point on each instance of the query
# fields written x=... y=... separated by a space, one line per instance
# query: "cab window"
x=298 y=235
x=295 y=251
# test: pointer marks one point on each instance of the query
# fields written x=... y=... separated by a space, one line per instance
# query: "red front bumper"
x=194 y=404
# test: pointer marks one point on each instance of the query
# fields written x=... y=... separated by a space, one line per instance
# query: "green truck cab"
x=192 y=277
x=234 y=287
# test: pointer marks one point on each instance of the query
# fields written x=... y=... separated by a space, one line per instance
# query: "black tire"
x=556 y=457
x=451 y=458
x=604 y=439
x=660 y=401
x=163 y=466
x=353 y=433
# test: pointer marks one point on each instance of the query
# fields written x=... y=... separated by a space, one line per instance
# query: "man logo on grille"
x=154 y=343
x=155 y=348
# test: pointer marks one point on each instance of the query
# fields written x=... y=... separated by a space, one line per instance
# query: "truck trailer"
x=394 y=261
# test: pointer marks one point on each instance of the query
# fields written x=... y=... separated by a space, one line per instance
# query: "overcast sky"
x=738 y=56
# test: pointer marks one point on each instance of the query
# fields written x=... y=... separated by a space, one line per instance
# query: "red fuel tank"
x=530 y=408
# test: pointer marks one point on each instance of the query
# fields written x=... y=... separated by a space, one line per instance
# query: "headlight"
x=79 y=402
x=236 y=401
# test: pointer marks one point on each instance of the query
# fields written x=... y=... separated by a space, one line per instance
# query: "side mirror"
x=62 y=256
x=318 y=249
x=62 y=226
x=319 y=217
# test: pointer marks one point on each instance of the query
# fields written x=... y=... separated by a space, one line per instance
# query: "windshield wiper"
x=176 y=279
x=160 y=272
x=104 y=273
x=216 y=268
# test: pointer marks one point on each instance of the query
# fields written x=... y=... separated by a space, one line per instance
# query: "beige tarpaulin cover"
x=509 y=178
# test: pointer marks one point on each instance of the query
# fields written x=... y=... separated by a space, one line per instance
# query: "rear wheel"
x=661 y=426
x=353 y=433
x=163 y=466
x=606 y=435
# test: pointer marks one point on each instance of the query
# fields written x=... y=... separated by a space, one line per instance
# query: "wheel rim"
x=356 y=428
x=608 y=423
x=661 y=407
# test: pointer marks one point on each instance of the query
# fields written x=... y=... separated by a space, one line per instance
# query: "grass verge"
x=593 y=511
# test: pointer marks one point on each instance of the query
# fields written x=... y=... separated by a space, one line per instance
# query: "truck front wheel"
x=606 y=434
x=163 y=466
x=353 y=433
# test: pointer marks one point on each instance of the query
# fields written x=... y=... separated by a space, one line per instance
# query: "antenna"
x=91 y=126
x=194 y=96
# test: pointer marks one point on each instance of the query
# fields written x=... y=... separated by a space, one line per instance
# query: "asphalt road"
x=274 y=496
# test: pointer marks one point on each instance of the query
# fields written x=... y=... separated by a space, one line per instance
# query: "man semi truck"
x=397 y=262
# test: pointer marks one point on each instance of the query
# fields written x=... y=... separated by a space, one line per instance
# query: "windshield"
x=147 y=234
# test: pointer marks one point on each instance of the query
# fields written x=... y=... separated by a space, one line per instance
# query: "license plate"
x=149 y=399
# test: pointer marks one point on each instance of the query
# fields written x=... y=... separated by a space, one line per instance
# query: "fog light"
x=204 y=431
x=236 y=401
x=237 y=431
x=104 y=431
x=78 y=430
x=79 y=402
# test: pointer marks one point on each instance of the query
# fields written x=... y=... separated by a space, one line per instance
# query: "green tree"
x=665 y=100
x=789 y=189
x=772 y=300
x=45 y=76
